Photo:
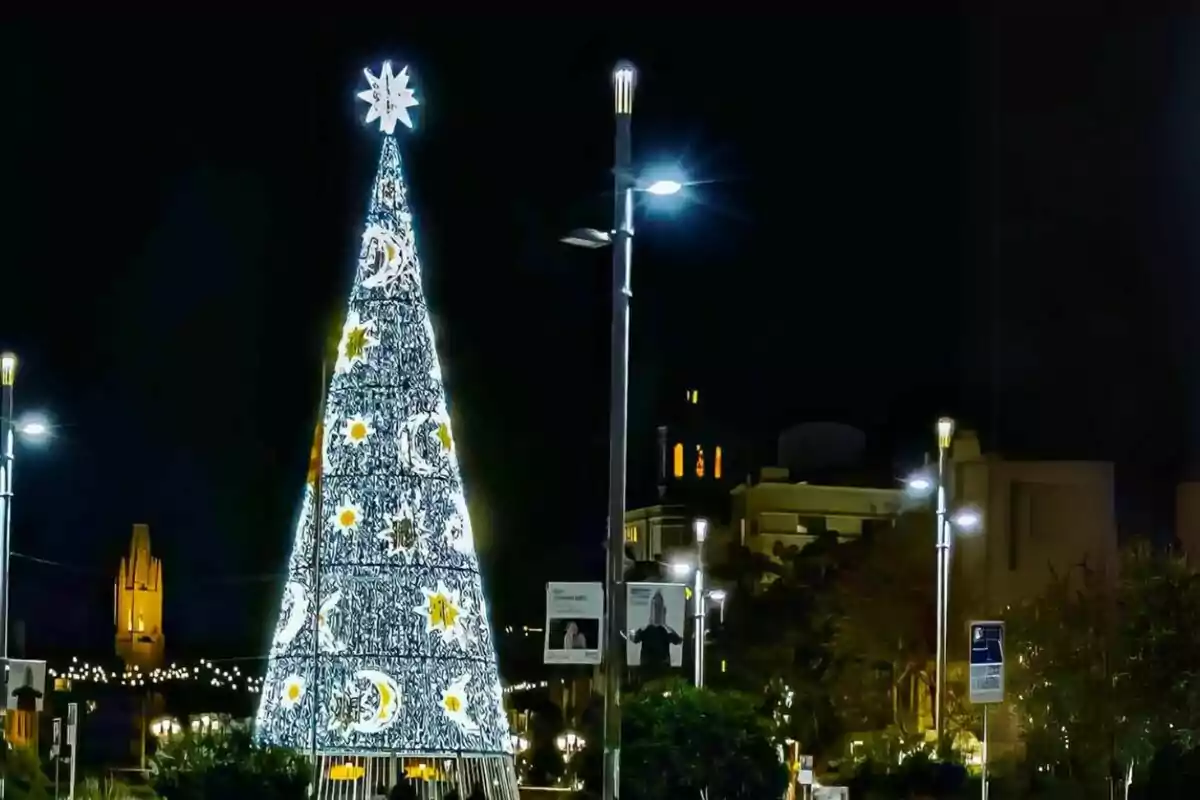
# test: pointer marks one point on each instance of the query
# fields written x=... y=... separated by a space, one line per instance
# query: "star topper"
x=390 y=98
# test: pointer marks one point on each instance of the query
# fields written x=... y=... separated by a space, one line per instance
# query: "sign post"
x=805 y=775
x=72 y=738
x=987 y=679
x=55 y=749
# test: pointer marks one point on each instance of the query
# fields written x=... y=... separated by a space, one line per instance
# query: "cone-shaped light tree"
x=383 y=649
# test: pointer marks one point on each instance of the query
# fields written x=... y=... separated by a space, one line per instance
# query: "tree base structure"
x=431 y=777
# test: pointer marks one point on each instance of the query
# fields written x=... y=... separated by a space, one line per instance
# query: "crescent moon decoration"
x=381 y=709
x=295 y=611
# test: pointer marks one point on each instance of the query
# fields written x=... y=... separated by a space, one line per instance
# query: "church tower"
x=138 y=604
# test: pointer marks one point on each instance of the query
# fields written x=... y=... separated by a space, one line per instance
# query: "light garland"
x=407 y=663
x=200 y=672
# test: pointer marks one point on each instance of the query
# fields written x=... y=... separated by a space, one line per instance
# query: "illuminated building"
x=138 y=604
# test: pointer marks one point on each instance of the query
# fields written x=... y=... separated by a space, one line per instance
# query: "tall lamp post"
x=34 y=428
x=624 y=81
x=965 y=520
x=945 y=433
x=620 y=238
x=699 y=600
x=8 y=376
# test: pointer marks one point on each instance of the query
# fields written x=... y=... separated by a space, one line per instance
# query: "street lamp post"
x=8 y=374
x=699 y=600
x=624 y=80
x=945 y=432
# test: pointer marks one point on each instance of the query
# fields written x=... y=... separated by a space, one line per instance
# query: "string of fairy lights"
x=202 y=672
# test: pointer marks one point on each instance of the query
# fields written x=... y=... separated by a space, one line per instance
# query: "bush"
x=228 y=764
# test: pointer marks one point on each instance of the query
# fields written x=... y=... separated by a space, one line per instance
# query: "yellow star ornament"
x=444 y=613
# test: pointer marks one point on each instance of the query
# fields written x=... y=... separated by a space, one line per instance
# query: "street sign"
x=72 y=722
x=806 y=771
x=987 y=662
x=57 y=731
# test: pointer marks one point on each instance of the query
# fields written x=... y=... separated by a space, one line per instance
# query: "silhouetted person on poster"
x=573 y=639
x=656 y=638
x=27 y=696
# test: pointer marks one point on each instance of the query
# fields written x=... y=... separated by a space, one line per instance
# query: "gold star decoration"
x=443 y=434
x=442 y=612
x=453 y=703
x=356 y=342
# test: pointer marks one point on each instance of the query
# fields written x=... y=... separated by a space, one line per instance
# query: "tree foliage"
x=1106 y=670
x=777 y=632
x=883 y=608
x=24 y=779
x=679 y=740
x=227 y=763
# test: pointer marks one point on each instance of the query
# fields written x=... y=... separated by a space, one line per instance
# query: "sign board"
x=26 y=683
x=806 y=771
x=831 y=793
x=56 y=744
x=654 y=616
x=72 y=722
x=574 y=612
x=987 y=662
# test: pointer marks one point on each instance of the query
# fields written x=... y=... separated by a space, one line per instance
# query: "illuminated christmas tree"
x=393 y=603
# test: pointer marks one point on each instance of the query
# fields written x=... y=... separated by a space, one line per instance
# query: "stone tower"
x=138 y=604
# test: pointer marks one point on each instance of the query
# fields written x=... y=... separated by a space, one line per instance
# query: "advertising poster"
x=26 y=684
x=655 y=614
x=573 y=615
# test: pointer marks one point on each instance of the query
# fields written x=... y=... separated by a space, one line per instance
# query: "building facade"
x=1040 y=518
x=138 y=604
x=772 y=515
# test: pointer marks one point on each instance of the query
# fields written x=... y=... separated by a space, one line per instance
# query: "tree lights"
x=406 y=661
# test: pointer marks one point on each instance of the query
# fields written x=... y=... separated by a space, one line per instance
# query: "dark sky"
x=896 y=214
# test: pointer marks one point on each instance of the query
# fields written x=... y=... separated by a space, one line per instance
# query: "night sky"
x=895 y=219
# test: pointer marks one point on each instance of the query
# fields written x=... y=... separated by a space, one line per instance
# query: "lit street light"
x=33 y=427
x=664 y=188
x=967 y=520
x=620 y=238
x=964 y=520
x=919 y=485
x=681 y=569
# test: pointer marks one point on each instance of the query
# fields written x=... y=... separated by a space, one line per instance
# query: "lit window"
x=717 y=463
x=695 y=398
x=631 y=533
x=141 y=623
x=678 y=460
x=699 y=461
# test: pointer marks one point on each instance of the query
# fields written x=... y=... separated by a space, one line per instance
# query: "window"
x=699 y=461
x=678 y=460
x=717 y=463
x=631 y=534
x=691 y=396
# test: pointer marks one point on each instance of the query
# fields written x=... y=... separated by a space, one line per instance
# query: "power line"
x=265 y=577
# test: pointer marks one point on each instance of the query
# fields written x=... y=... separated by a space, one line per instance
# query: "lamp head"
x=681 y=569
x=700 y=526
x=33 y=426
x=8 y=368
x=624 y=82
x=718 y=595
x=919 y=485
x=945 y=431
x=967 y=520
